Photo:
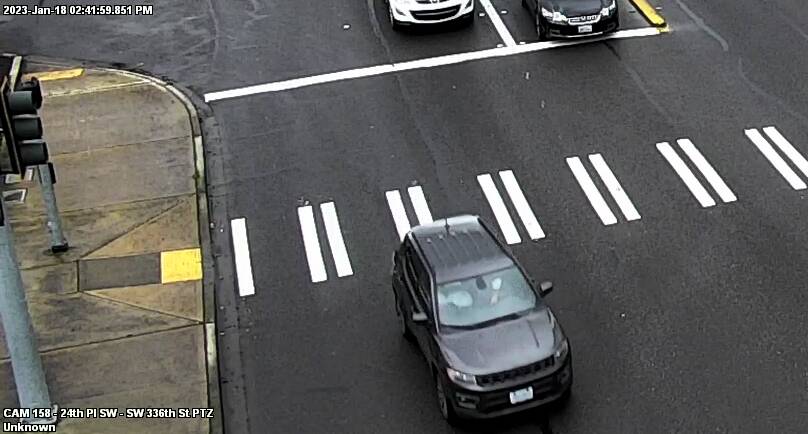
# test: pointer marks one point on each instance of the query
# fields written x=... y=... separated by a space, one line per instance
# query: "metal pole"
x=58 y=240
x=32 y=390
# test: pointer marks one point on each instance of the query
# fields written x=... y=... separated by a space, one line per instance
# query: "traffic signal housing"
x=22 y=127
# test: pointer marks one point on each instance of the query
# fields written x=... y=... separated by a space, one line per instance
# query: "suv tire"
x=446 y=409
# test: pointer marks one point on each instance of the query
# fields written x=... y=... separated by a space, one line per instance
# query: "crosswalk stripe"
x=314 y=255
x=420 y=205
x=520 y=203
x=398 y=213
x=684 y=172
x=779 y=164
x=498 y=208
x=241 y=251
x=788 y=149
x=335 y=240
x=591 y=192
x=614 y=187
x=707 y=169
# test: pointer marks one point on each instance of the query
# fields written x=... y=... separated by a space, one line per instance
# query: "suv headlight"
x=556 y=17
x=609 y=9
x=562 y=350
x=461 y=377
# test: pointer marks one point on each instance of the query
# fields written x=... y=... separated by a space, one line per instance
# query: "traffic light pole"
x=29 y=377
x=46 y=181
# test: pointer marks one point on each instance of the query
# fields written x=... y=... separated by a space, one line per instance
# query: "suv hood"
x=503 y=346
x=574 y=8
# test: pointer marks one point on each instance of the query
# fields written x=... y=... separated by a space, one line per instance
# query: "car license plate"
x=522 y=395
x=585 y=29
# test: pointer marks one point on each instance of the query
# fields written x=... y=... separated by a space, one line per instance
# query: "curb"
x=208 y=289
x=209 y=311
x=649 y=13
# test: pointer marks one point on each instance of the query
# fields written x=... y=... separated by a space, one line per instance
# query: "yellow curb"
x=180 y=265
x=649 y=13
x=55 y=75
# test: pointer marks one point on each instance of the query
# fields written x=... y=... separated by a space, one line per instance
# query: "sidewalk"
x=120 y=317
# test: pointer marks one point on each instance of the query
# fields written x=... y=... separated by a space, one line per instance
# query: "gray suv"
x=493 y=345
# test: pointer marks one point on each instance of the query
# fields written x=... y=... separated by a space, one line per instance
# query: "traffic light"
x=22 y=127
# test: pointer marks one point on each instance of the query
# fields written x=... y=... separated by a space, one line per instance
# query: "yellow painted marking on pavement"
x=650 y=13
x=180 y=265
x=55 y=75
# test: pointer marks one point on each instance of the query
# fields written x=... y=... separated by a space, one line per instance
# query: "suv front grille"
x=522 y=371
x=436 y=14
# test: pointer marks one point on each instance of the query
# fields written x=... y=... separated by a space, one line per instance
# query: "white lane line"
x=334 y=234
x=430 y=62
x=707 y=169
x=591 y=192
x=311 y=242
x=498 y=24
x=684 y=172
x=241 y=250
x=787 y=149
x=766 y=149
x=498 y=207
x=521 y=205
x=614 y=187
x=420 y=205
x=398 y=212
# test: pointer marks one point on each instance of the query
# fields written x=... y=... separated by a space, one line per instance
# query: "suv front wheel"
x=445 y=406
x=394 y=23
x=539 y=29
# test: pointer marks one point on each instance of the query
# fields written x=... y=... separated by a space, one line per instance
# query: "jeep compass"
x=494 y=347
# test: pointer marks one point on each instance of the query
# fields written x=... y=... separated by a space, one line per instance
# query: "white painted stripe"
x=766 y=149
x=788 y=149
x=498 y=24
x=420 y=205
x=591 y=192
x=520 y=203
x=430 y=62
x=334 y=234
x=241 y=251
x=684 y=172
x=498 y=207
x=398 y=212
x=311 y=242
x=707 y=170
x=614 y=187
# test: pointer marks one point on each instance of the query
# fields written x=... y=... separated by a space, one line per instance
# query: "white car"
x=406 y=12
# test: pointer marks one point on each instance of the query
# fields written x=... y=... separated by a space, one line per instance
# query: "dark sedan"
x=573 y=18
x=493 y=345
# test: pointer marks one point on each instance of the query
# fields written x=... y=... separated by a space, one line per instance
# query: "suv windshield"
x=469 y=302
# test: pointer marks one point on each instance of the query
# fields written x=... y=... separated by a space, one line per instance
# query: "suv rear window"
x=485 y=298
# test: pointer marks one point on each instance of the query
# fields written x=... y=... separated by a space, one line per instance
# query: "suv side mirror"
x=545 y=288
x=418 y=317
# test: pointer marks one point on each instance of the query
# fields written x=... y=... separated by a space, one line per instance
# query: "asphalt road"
x=688 y=319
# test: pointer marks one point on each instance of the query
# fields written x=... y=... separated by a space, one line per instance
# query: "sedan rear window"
x=477 y=300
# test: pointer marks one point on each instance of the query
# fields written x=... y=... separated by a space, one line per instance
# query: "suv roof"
x=459 y=247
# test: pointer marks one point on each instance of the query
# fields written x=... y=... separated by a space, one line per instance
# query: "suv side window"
x=408 y=264
x=419 y=278
x=424 y=282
